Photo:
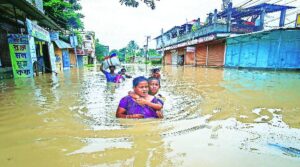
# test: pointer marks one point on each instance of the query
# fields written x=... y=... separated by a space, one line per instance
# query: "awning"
x=29 y=10
x=62 y=44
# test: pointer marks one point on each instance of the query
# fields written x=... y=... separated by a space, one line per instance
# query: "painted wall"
x=168 y=58
x=207 y=54
x=72 y=58
x=269 y=49
x=80 y=60
x=58 y=52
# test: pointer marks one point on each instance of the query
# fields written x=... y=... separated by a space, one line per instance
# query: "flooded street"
x=213 y=118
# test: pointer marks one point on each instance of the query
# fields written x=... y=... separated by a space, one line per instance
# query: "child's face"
x=156 y=75
x=153 y=87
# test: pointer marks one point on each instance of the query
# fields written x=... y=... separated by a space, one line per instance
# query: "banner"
x=32 y=49
x=73 y=40
x=298 y=20
x=20 y=55
x=54 y=36
x=37 y=31
x=52 y=56
x=190 y=49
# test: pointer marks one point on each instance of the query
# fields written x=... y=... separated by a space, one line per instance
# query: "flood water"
x=213 y=118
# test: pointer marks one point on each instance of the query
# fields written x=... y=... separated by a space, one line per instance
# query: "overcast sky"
x=115 y=24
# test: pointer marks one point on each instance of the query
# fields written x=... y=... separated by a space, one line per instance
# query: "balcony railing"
x=205 y=31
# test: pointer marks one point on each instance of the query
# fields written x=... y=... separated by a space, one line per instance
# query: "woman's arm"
x=155 y=106
x=101 y=68
x=133 y=95
x=121 y=113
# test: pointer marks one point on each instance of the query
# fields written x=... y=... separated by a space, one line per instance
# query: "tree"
x=65 y=13
x=134 y=3
x=122 y=53
x=153 y=53
x=100 y=50
x=132 y=49
x=141 y=52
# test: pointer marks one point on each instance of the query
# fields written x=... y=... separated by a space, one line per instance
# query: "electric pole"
x=146 y=51
x=146 y=47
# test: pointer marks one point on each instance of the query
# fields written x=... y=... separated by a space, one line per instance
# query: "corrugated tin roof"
x=62 y=44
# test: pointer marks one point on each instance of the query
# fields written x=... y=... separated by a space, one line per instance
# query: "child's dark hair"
x=154 y=70
x=137 y=80
x=152 y=79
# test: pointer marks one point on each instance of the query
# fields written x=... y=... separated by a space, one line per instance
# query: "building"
x=86 y=52
x=272 y=49
x=62 y=51
x=24 y=42
x=204 y=43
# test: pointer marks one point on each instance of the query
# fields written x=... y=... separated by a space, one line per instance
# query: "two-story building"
x=86 y=51
x=204 y=43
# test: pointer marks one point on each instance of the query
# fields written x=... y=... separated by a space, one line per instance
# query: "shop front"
x=41 y=48
x=62 y=52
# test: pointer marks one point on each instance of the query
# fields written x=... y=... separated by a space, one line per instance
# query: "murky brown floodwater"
x=213 y=118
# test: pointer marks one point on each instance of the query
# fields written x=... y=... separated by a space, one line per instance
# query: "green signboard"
x=20 y=55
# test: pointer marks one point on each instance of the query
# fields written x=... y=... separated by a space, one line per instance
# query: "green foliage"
x=65 y=14
x=134 y=3
x=100 y=51
x=79 y=37
x=122 y=53
x=131 y=51
x=156 y=61
x=152 y=53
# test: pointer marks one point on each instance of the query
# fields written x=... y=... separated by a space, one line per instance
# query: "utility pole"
x=75 y=49
x=146 y=47
x=163 y=46
x=146 y=51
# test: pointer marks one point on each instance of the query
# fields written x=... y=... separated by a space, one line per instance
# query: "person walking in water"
x=143 y=107
x=122 y=75
x=155 y=72
x=154 y=86
x=111 y=75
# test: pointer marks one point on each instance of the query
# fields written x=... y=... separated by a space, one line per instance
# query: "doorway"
x=46 y=58
x=180 y=60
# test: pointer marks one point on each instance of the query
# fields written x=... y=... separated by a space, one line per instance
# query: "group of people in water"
x=142 y=101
